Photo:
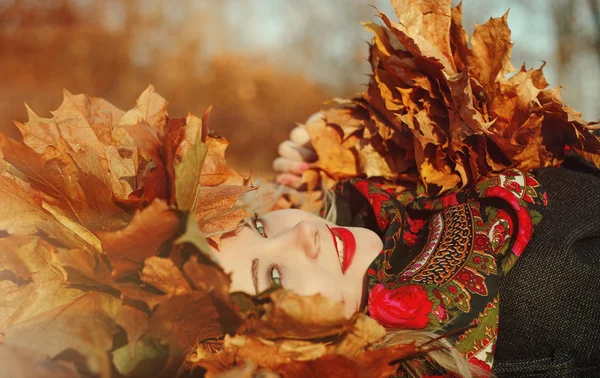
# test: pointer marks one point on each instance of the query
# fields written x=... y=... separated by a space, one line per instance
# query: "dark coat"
x=550 y=301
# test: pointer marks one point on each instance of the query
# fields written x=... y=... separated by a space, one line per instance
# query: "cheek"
x=310 y=280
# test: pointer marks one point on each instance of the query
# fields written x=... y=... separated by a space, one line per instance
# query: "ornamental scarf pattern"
x=443 y=256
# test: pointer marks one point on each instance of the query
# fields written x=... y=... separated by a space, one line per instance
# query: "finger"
x=290 y=150
x=300 y=136
x=286 y=165
x=289 y=179
x=314 y=117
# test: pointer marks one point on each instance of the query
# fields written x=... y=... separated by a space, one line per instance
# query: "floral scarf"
x=443 y=256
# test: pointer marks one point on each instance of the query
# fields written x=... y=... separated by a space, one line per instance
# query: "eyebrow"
x=255 y=274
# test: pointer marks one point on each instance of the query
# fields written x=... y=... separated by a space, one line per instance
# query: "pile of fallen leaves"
x=105 y=268
x=441 y=113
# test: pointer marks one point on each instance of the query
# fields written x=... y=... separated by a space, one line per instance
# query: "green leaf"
x=148 y=357
x=536 y=217
x=193 y=236
x=187 y=173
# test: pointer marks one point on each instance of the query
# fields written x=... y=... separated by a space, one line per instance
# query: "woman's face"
x=301 y=252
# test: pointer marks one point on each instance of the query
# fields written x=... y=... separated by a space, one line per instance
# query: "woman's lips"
x=349 y=245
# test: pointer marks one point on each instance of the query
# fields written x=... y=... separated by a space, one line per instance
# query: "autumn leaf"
x=181 y=322
x=424 y=26
x=192 y=235
x=85 y=324
x=295 y=316
x=18 y=362
x=163 y=274
x=444 y=114
x=128 y=248
x=135 y=322
x=29 y=258
x=215 y=208
x=490 y=55
x=339 y=161
x=151 y=108
x=146 y=359
x=209 y=278
x=187 y=173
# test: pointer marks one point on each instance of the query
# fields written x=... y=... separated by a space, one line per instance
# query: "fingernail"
x=304 y=166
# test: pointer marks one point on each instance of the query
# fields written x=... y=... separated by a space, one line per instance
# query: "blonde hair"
x=440 y=351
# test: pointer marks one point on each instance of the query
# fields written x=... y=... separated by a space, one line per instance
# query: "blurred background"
x=263 y=64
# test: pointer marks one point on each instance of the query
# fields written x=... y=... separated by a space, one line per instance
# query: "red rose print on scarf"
x=404 y=307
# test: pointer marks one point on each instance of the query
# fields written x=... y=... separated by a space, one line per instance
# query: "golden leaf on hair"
x=215 y=210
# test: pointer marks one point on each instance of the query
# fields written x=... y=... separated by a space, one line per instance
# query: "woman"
x=426 y=264
x=437 y=263
x=440 y=110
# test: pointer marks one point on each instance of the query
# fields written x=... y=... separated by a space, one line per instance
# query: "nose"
x=306 y=235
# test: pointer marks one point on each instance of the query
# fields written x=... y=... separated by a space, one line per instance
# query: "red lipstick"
x=349 y=245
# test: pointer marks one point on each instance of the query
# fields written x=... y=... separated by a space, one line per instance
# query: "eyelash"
x=260 y=229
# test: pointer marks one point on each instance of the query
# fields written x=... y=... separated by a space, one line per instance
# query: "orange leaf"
x=142 y=238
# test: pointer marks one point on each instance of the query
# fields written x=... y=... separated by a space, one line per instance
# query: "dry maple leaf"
x=127 y=249
x=86 y=324
x=446 y=114
x=19 y=363
x=92 y=170
x=163 y=274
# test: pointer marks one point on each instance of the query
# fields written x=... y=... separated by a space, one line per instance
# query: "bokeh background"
x=264 y=64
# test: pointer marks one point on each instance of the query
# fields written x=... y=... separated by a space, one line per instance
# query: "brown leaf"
x=155 y=172
x=338 y=161
x=142 y=238
x=426 y=24
x=490 y=56
x=135 y=322
x=29 y=257
x=22 y=212
x=459 y=38
x=86 y=324
x=56 y=175
x=39 y=133
x=216 y=171
x=151 y=108
x=209 y=278
x=163 y=274
x=369 y=364
x=215 y=210
x=19 y=304
x=462 y=97
x=18 y=362
x=182 y=321
x=187 y=173
x=295 y=316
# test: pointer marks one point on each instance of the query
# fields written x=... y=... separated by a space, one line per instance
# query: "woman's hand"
x=295 y=155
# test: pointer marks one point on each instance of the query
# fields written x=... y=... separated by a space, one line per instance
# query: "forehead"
x=291 y=216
